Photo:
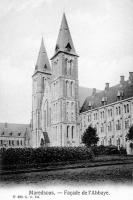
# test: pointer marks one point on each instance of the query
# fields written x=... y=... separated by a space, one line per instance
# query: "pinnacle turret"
x=42 y=64
x=64 y=42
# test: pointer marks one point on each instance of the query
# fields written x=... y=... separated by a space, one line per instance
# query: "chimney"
x=94 y=91
x=106 y=86
x=122 y=79
x=130 y=77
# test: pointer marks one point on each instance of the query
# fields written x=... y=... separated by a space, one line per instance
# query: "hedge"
x=108 y=150
x=18 y=156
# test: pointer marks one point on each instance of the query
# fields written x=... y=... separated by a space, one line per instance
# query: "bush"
x=123 y=151
x=44 y=155
x=108 y=150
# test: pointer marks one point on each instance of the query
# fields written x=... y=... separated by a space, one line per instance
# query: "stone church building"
x=58 y=117
x=55 y=98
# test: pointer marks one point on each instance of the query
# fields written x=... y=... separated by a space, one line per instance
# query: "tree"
x=90 y=137
x=129 y=135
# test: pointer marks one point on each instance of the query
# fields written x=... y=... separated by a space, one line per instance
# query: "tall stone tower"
x=41 y=74
x=64 y=88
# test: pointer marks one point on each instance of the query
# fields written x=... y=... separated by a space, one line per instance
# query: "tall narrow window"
x=71 y=89
x=67 y=88
x=72 y=132
x=65 y=66
x=71 y=67
x=67 y=131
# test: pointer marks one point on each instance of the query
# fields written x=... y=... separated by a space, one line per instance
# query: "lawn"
x=118 y=174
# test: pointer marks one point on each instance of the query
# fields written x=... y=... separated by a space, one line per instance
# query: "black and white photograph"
x=66 y=99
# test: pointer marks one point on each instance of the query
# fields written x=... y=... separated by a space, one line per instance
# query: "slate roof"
x=42 y=64
x=64 y=42
x=83 y=93
x=126 y=89
x=15 y=129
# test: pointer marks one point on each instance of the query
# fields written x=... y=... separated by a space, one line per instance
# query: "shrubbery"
x=44 y=155
x=108 y=150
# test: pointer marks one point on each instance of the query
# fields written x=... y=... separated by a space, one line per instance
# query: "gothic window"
x=71 y=89
x=127 y=108
x=116 y=111
x=12 y=142
x=72 y=132
x=119 y=108
x=118 y=125
x=17 y=142
x=67 y=88
x=65 y=67
x=67 y=131
x=71 y=67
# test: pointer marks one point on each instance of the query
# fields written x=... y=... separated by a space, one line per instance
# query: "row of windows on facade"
x=69 y=88
x=118 y=126
x=69 y=134
x=111 y=142
x=68 y=67
x=110 y=113
x=11 y=143
x=11 y=134
x=70 y=107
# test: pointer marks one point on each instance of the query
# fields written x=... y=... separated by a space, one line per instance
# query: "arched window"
x=127 y=108
x=71 y=67
x=67 y=88
x=72 y=132
x=67 y=131
x=71 y=89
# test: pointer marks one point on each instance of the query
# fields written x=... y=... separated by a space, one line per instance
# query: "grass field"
x=119 y=174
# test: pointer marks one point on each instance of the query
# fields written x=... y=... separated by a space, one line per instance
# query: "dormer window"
x=90 y=105
x=68 y=47
x=104 y=100
x=120 y=95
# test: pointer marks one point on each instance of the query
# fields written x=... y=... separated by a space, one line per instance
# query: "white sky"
x=102 y=32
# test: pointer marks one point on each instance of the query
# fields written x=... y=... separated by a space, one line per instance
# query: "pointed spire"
x=64 y=42
x=42 y=64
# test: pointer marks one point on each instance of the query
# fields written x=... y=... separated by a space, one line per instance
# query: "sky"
x=102 y=32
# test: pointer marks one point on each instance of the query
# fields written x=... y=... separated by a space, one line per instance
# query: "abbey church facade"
x=55 y=100
x=57 y=117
